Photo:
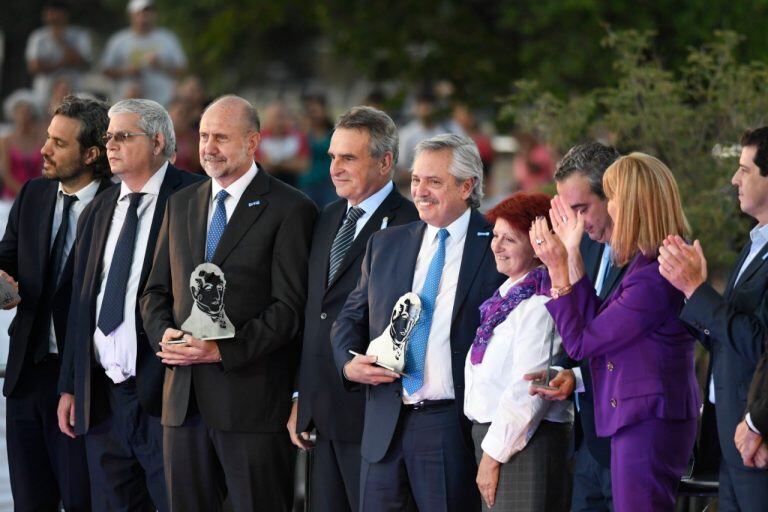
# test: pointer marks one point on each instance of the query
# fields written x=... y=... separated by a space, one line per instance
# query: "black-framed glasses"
x=121 y=136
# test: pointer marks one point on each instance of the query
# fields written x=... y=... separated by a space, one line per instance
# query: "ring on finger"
x=539 y=241
x=565 y=218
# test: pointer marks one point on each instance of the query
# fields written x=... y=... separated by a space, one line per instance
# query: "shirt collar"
x=372 y=202
x=456 y=229
x=236 y=188
x=85 y=194
x=759 y=234
x=151 y=187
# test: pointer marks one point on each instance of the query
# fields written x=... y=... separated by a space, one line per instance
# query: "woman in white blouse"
x=521 y=441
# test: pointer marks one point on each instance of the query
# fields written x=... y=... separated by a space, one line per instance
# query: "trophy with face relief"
x=208 y=320
x=390 y=347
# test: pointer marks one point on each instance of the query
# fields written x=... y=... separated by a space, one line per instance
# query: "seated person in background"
x=521 y=441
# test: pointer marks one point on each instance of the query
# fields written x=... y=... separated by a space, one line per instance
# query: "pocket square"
x=254 y=203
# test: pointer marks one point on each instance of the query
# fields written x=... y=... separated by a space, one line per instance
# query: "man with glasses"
x=111 y=389
x=45 y=466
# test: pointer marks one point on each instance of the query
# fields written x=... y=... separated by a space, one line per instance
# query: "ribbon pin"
x=254 y=203
x=483 y=233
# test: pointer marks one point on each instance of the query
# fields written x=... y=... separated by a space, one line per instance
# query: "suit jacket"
x=733 y=328
x=599 y=447
x=24 y=254
x=263 y=254
x=81 y=374
x=757 y=404
x=323 y=401
x=384 y=278
x=640 y=353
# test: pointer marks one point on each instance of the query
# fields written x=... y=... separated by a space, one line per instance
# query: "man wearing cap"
x=144 y=60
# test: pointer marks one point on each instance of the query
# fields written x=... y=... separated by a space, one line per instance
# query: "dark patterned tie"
x=218 y=224
x=113 y=304
x=343 y=240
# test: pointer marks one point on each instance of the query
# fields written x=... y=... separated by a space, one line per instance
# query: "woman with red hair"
x=521 y=441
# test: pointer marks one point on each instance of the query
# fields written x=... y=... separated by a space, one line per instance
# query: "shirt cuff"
x=748 y=419
x=579 y=385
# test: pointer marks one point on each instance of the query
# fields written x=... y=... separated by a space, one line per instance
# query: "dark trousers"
x=742 y=489
x=591 y=484
x=125 y=455
x=46 y=466
x=335 y=476
x=253 y=470
x=428 y=463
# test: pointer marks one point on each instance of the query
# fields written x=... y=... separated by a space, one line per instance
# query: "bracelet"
x=556 y=293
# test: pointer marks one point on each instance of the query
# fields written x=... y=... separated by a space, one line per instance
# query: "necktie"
x=218 y=223
x=343 y=240
x=113 y=304
x=59 y=243
x=605 y=269
x=416 y=353
x=55 y=265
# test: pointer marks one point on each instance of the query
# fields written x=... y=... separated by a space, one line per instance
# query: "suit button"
x=609 y=366
x=706 y=332
x=323 y=316
x=613 y=403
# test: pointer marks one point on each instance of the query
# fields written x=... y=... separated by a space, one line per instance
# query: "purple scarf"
x=496 y=309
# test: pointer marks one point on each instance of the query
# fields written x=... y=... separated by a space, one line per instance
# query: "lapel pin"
x=254 y=203
x=483 y=233
x=765 y=256
x=384 y=223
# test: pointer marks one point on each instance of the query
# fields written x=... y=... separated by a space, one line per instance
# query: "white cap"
x=138 y=5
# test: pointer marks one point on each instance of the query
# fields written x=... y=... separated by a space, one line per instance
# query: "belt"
x=428 y=404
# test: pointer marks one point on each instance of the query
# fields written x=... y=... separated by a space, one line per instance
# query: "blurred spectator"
x=185 y=119
x=20 y=158
x=376 y=99
x=60 y=89
x=283 y=150
x=424 y=126
x=463 y=122
x=57 y=50
x=192 y=90
x=143 y=59
x=534 y=164
x=316 y=182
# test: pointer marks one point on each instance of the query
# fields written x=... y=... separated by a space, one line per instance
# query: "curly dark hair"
x=94 y=121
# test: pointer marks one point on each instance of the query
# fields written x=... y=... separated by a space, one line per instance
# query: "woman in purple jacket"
x=640 y=354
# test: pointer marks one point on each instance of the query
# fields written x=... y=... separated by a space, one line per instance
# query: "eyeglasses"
x=120 y=136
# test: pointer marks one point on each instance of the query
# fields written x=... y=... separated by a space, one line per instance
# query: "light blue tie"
x=218 y=223
x=417 y=346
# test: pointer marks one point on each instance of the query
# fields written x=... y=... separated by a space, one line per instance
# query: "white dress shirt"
x=235 y=191
x=495 y=390
x=438 y=380
x=116 y=351
x=84 y=196
x=759 y=237
x=370 y=205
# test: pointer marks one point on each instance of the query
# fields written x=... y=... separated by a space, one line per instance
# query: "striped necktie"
x=343 y=241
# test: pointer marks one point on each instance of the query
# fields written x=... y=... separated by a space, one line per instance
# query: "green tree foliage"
x=678 y=117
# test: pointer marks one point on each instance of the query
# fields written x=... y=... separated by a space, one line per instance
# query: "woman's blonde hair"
x=646 y=206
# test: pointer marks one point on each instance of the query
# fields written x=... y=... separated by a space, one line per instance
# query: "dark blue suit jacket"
x=733 y=328
x=80 y=373
x=387 y=274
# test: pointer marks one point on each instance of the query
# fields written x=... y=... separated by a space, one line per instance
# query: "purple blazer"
x=640 y=354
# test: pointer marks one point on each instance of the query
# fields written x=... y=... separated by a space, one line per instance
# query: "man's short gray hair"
x=590 y=160
x=465 y=164
x=153 y=119
x=379 y=126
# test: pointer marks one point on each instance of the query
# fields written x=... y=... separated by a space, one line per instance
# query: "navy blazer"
x=733 y=328
x=323 y=401
x=80 y=374
x=24 y=254
x=387 y=274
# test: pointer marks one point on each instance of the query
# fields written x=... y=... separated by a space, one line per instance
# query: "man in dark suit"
x=111 y=381
x=225 y=401
x=45 y=466
x=732 y=326
x=579 y=181
x=750 y=435
x=363 y=154
x=416 y=443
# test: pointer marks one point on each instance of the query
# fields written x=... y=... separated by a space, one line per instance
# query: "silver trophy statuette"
x=208 y=320
x=390 y=347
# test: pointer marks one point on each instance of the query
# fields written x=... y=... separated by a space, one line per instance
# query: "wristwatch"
x=556 y=293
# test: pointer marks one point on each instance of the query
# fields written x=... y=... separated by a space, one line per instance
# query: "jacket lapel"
x=250 y=207
x=407 y=253
x=44 y=240
x=609 y=283
x=476 y=244
x=197 y=222
x=736 y=268
x=326 y=241
x=101 y=225
x=757 y=262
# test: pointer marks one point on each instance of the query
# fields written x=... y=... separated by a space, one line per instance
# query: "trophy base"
x=541 y=384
